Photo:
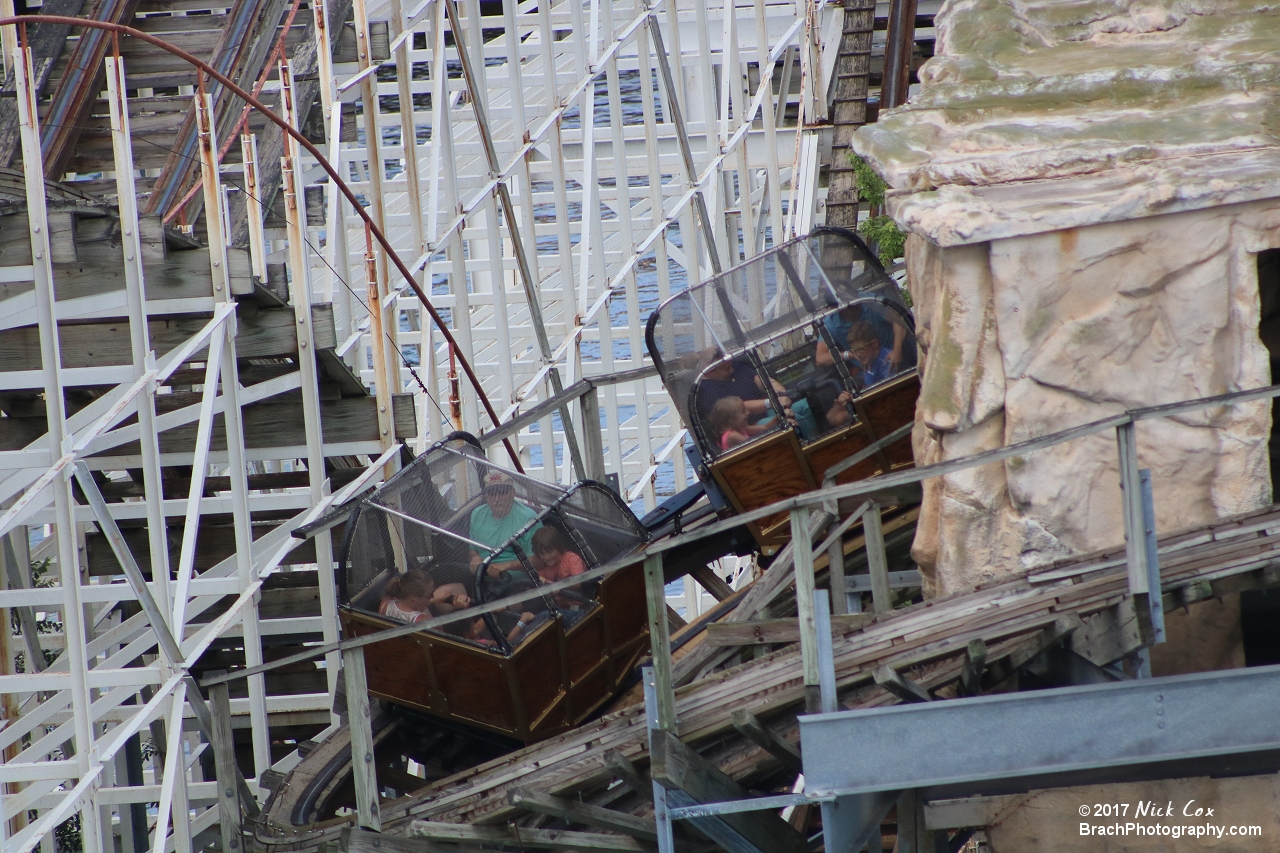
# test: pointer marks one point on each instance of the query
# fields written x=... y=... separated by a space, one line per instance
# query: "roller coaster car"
x=787 y=365
x=443 y=516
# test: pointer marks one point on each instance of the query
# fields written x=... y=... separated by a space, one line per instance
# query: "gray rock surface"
x=1086 y=185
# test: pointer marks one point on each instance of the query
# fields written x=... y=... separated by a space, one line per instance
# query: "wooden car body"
x=540 y=665
x=554 y=680
x=779 y=332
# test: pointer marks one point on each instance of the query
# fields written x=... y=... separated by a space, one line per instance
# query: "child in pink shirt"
x=728 y=424
x=556 y=559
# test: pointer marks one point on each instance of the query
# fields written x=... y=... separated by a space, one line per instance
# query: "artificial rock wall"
x=1034 y=334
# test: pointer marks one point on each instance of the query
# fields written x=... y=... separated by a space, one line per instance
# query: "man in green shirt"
x=497 y=520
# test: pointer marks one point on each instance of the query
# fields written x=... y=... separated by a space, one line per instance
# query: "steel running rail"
x=371 y=227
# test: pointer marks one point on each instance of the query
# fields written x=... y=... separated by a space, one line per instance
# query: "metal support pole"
x=877 y=560
x=661 y=811
x=1131 y=498
x=826 y=652
x=899 y=46
x=1139 y=538
x=835 y=566
x=56 y=418
x=660 y=642
x=912 y=835
x=1155 y=596
x=360 y=724
x=802 y=553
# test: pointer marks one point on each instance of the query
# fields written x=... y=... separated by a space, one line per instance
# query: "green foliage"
x=884 y=234
x=41 y=580
x=881 y=231
x=870 y=187
x=67 y=836
x=39 y=570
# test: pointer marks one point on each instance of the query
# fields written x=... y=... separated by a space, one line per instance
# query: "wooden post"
x=835 y=565
x=975 y=662
x=660 y=641
x=224 y=764
x=359 y=722
x=839 y=595
x=583 y=813
x=592 y=440
x=253 y=207
x=877 y=560
x=803 y=557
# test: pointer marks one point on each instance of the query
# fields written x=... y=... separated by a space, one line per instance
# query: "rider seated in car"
x=556 y=561
x=728 y=423
x=889 y=329
x=723 y=377
x=414 y=597
x=498 y=519
x=872 y=360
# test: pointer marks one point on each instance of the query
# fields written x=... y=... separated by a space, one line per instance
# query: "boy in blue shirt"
x=871 y=358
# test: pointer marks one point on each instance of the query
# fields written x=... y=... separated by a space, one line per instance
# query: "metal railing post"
x=653 y=713
x=826 y=652
x=1140 y=536
x=1155 y=596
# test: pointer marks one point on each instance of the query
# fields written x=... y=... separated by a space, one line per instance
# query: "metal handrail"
x=808 y=499
x=939 y=469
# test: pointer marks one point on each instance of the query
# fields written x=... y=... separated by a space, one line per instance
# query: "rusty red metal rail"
x=21 y=21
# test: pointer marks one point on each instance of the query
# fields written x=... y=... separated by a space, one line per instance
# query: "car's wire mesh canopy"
x=434 y=517
x=788 y=331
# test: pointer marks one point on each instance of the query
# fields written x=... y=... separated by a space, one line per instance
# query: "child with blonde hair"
x=728 y=423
